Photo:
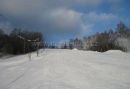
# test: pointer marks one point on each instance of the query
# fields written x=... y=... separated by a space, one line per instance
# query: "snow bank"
x=115 y=51
x=75 y=49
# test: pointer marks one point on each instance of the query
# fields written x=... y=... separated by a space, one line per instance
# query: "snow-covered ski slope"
x=66 y=69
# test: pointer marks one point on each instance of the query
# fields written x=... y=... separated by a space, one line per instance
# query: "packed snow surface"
x=66 y=69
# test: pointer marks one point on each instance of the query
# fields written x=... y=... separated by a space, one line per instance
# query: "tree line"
x=117 y=39
x=20 y=41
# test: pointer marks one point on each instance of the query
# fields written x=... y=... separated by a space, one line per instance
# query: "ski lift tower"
x=36 y=42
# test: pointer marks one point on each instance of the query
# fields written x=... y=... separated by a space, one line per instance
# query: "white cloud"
x=36 y=7
x=65 y=19
x=95 y=17
x=114 y=1
x=6 y=26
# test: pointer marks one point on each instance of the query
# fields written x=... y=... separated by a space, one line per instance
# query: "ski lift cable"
x=36 y=40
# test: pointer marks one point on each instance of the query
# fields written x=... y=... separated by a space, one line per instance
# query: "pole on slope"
x=37 y=47
x=23 y=43
x=24 y=46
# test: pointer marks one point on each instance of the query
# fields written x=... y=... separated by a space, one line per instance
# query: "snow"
x=66 y=69
x=75 y=49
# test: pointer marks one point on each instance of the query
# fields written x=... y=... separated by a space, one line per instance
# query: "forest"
x=113 y=39
x=20 y=41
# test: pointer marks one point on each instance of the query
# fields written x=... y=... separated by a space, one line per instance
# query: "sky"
x=60 y=20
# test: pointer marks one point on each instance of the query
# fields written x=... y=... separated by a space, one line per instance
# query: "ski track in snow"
x=66 y=69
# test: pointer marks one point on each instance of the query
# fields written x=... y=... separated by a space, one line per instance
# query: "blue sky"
x=60 y=20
